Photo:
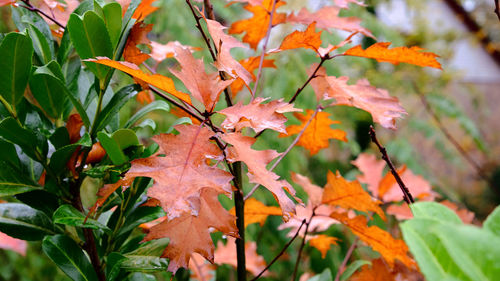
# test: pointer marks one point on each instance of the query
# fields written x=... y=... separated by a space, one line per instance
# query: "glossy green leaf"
x=23 y=222
x=125 y=138
x=113 y=20
x=68 y=215
x=16 y=51
x=40 y=200
x=69 y=257
x=44 y=49
x=139 y=216
x=146 y=258
x=112 y=148
x=436 y=211
x=115 y=104
x=492 y=222
x=62 y=155
x=351 y=268
x=34 y=145
x=23 y=18
x=90 y=39
x=60 y=137
x=113 y=265
x=155 y=105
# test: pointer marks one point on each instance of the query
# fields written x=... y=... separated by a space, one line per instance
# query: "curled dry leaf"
x=381 y=52
x=226 y=254
x=257 y=115
x=317 y=134
x=328 y=18
x=161 y=82
x=323 y=243
x=349 y=195
x=256 y=26
x=256 y=212
x=380 y=240
x=181 y=246
x=256 y=161
x=138 y=35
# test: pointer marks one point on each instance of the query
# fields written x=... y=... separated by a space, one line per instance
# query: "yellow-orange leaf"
x=323 y=243
x=317 y=134
x=381 y=53
x=379 y=239
x=138 y=35
x=157 y=80
x=380 y=271
x=249 y=64
x=226 y=254
x=308 y=39
x=388 y=181
x=143 y=10
x=349 y=195
x=256 y=211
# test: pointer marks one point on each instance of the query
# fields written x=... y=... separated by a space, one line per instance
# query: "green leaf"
x=355 y=265
x=62 y=155
x=435 y=211
x=23 y=222
x=146 y=258
x=16 y=51
x=40 y=200
x=113 y=20
x=326 y=275
x=115 y=104
x=44 y=50
x=49 y=90
x=155 y=105
x=34 y=145
x=113 y=264
x=125 y=138
x=90 y=39
x=68 y=215
x=69 y=257
x=60 y=137
x=492 y=222
x=139 y=216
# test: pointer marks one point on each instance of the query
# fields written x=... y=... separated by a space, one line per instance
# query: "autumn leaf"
x=198 y=240
x=60 y=11
x=74 y=124
x=317 y=134
x=256 y=162
x=383 y=108
x=381 y=53
x=380 y=271
x=225 y=62
x=226 y=254
x=388 y=181
x=219 y=37
x=349 y=195
x=323 y=243
x=14 y=244
x=138 y=35
x=256 y=26
x=161 y=82
x=204 y=87
x=344 y=3
x=145 y=97
x=256 y=212
x=250 y=64
x=327 y=18
x=144 y=9
x=308 y=39
x=160 y=52
x=314 y=192
x=380 y=240
x=257 y=115
x=200 y=269
x=371 y=169
x=7 y=2
x=321 y=221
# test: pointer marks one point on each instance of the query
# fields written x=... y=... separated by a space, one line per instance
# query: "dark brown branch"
x=281 y=252
x=182 y=107
x=497 y=9
x=36 y=10
x=203 y=34
x=294 y=275
x=473 y=27
x=406 y=192
x=209 y=9
x=346 y=258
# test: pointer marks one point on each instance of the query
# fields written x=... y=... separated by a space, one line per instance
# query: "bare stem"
x=281 y=252
x=203 y=34
x=294 y=275
x=346 y=258
x=406 y=192
x=264 y=47
x=36 y=10
x=297 y=138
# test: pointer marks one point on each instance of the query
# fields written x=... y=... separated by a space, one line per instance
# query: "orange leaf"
x=204 y=87
x=156 y=80
x=388 y=181
x=371 y=169
x=317 y=134
x=7 y=2
x=58 y=10
x=383 y=108
x=250 y=64
x=256 y=211
x=138 y=35
x=256 y=26
x=14 y=244
x=191 y=234
x=200 y=268
x=380 y=240
x=96 y=153
x=314 y=192
x=380 y=271
x=226 y=254
x=308 y=39
x=257 y=116
x=225 y=62
x=143 y=10
x=323 y=243
x=327 y=18
x=349 y=195
x=160 y=52
x=256 y=162
x=381 y=53
x=145 y=97
x=74 y=125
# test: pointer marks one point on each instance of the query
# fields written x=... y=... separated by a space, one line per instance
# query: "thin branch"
x=264 y=47
x=346 y=258
x=297 y=138
x=209 y=9
x=36 y=10
x=497 y=9
x=282 y=251
x=294 y=275
x=203 y=34
x=183 y=108
x=406 y=192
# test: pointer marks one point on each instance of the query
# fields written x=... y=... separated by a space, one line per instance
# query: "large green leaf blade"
x=115 y=104
x=435 y=211
x=16 y=51
x=23 y=222
x=492 y=222
x=68 y=215
x=155 y=105
x=69 y=257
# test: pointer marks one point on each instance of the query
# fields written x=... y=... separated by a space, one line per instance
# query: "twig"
x=346 y=258
x=294 y=275
x=209 y=9
x=497 y=9
x=282 y=251
x=36 y=10
x=203 y=34
x=406 y=192
x=176 y=104
x=264 y=47
x=297 y=138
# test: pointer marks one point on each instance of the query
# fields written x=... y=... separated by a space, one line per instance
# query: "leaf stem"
x=346 y=258
x=406 y=192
